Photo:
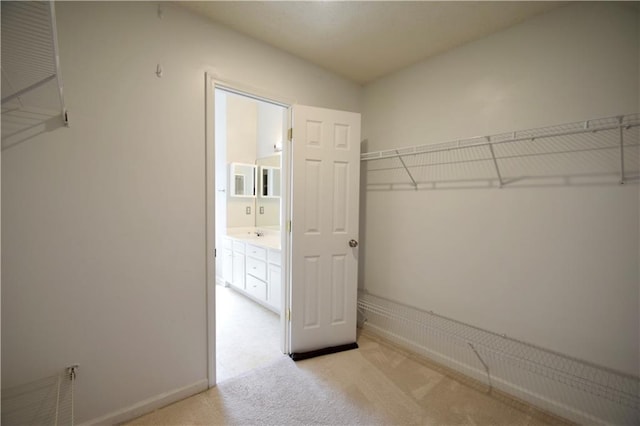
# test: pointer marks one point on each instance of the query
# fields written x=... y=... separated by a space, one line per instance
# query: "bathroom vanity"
x=252 y=266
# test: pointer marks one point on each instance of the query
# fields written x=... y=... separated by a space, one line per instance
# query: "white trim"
x=210 y=228
x=509 y=388
x=248 y=90
x=211 y=83
x=148 y=405
x=285 y=242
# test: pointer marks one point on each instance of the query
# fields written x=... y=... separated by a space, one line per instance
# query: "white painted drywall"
x=270 y=128
x=241 y=142
x=271 y=124
x=103 y=227
x=555 y=266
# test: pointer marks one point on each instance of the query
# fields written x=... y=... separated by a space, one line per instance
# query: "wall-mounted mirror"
x=269 y=181
x=242 y=180
x=268 y=200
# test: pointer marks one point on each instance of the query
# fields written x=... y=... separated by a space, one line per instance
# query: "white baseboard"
x=508 y=388
x=148 y=405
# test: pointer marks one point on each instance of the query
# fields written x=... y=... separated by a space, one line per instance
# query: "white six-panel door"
x=325 y=195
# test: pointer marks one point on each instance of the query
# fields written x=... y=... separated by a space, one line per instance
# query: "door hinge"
x=215 y=252
x=290 y=134
x=288 y=314
x=289 y=227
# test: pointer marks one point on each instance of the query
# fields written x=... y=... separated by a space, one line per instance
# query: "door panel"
x=325 y=195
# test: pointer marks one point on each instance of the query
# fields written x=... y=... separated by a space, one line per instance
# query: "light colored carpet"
x=373 y=385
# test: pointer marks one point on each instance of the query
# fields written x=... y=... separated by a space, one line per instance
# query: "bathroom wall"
x=272 y=121
x=556 y=266
x=242 y=137
x=271 y=124
x=103 y=223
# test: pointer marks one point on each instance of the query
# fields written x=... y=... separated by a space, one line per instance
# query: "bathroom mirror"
x=242 y=180
x=269 y=182
x=268 y=199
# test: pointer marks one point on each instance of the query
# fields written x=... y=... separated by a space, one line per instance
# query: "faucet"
x=259 y=233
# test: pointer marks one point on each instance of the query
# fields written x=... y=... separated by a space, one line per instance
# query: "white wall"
x=271 y=124
x=555 y=266
x=242 y=139
x=103 y=226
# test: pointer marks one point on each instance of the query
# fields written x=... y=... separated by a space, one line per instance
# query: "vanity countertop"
x=268 y=240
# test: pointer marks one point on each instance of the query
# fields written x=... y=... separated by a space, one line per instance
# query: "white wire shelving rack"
x=47 y=401
x=564 y=385
x=588 y=149
x=32 y=86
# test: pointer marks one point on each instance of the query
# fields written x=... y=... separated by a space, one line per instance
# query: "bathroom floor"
x=247 y=334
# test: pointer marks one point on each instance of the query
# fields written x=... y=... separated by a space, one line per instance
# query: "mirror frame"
x=269 y=186
x=232 y=175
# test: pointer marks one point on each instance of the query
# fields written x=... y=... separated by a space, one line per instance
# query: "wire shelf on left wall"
x=32 y=87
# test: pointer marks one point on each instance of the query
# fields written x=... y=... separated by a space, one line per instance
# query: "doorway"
x=249 y=288
x=317 y=263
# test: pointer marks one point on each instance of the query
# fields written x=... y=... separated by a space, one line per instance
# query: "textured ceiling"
x=363 y=41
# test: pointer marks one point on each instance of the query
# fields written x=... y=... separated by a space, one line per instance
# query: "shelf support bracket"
x=495 y=161
x=484 y=364
x=415 y=185
x=621 y=130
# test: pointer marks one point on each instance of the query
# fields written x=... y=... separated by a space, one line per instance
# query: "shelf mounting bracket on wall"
x=621 y=128
x=495 y=161
x=413 y=181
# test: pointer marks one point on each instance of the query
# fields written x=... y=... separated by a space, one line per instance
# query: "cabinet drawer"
x=257 y=252
x=257 y=268
x=256 y=288
x=275 y=257
x=238 y=246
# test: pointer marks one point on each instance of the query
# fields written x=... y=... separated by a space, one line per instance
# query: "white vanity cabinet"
x=254 y=270
x=257 y=272
x=236 y=277
x=274 y=278
x=227 y=260
x=263 y=275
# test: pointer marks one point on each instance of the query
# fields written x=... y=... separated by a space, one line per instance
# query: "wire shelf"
x=587 y=150
x=32 y=90
x=565 y=385
x=48 y=401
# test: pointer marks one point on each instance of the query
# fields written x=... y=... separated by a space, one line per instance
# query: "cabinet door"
x=238 y=270
x=227 y=265
x=275 y=285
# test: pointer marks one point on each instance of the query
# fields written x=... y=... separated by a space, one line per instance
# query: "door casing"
x=211 y=83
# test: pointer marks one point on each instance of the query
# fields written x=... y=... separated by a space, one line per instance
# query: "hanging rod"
x=581 y=127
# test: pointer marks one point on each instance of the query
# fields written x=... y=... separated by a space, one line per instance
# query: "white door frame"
x=211 y=83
